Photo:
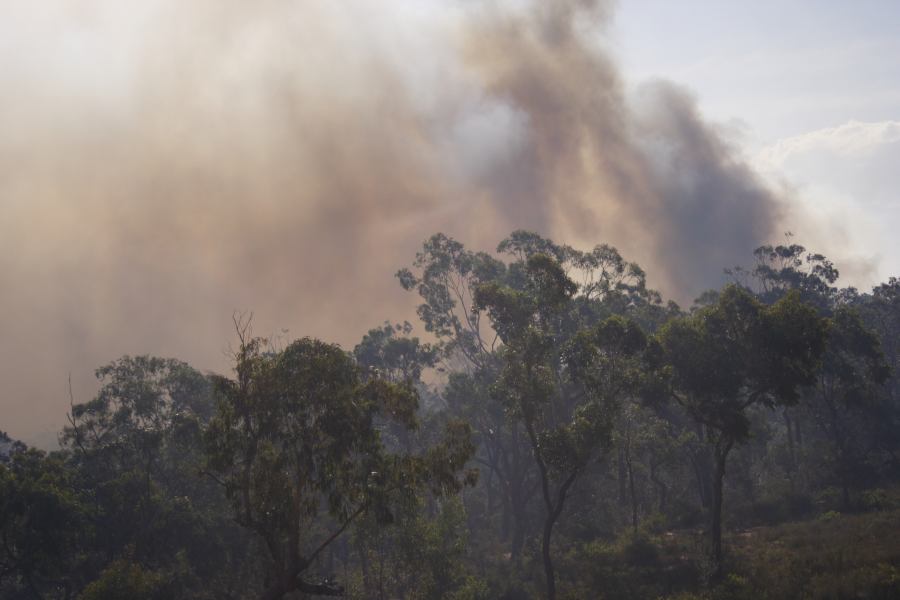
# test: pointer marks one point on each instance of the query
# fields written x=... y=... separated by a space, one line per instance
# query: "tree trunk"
x=553 y=512
x=489 y=488
x=700 y=463
x=661 y=487
x=715 y=530
x=792 y=455
x=505 y=513
x=844 y=466
x=554 y=509
x=518 y=503
x=634 y=507
x=517 y=495
x=548 y=562
x=518 y=536
x=622 y=476
x=364 y=566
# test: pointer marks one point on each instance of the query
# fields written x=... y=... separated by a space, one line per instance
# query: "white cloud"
x=848 y=176
x=852 y=140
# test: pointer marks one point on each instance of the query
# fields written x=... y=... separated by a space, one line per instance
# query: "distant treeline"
x=562 y=433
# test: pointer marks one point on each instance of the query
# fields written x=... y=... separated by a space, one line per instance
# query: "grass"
x=831 y=557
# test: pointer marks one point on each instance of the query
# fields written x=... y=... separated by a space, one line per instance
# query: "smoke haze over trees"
x=566 y=434
x=167 y=165
x=603 y=377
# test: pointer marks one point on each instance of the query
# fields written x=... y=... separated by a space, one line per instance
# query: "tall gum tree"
x=562 y=387
x=446 y=276
x=296 y=445
x=849 y=405
x=732 y=355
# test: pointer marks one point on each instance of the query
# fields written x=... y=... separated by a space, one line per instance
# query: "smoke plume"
x=162 y=167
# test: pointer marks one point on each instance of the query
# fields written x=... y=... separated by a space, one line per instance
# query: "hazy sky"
x=165 y=163
x=783 y=67
x=813 y=87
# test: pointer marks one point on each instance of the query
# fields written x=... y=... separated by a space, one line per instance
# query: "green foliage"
x=564 y=434
x=833 y=558
x=124 y=580
x=448 y=276
x=787 y=267
x=734 y=355
x=851 y=378
x=427 y=556
x=398 y=358
x=564 y=391
x=43 y=520
x=136 y=451
x=295 y=443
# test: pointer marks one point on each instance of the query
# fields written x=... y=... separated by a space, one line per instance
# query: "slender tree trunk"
x=517 y=503
x=505 y=513
x=554 y=509
x=701 y=462
x=792 y=455
x=622 y=476
x=518 y=532
x=634 y=507
x=364 y=565
x=704 y=487
x=518 y=495
x=661 y=487
x=553 y=512
x=381 y=593
x=715 y=530
x=841 y=452
x=489 y=488
x=548 y=561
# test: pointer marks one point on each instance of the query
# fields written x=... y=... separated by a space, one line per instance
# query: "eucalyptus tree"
x=562 y=385
x=295 y=444
x=146 y=411
x=732 y=356
x=447 y=276
x=782 y=268
x=848 y=390
x=389 y=352
x=422 y=553
x=44 y=521
x=880 y=310
x=850 y=409
x=650 y=444
x=136 y=450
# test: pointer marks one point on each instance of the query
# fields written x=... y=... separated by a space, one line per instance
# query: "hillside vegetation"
x=559 y=431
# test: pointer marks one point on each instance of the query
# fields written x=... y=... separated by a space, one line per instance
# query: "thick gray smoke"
x=163 y=167
x=649 y=176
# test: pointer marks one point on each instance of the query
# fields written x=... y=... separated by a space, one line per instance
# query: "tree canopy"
x=551 y=427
